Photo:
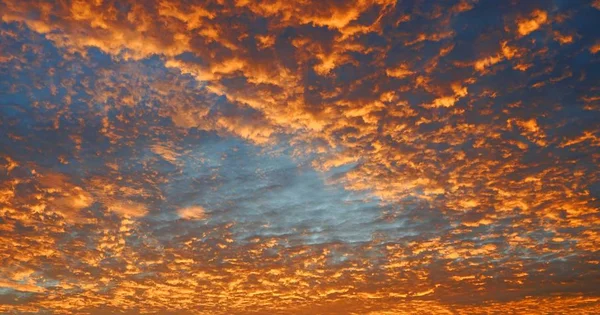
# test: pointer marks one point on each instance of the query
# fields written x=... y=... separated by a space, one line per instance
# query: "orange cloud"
x=536 y=19
x=595 y=48
x=128 y=209
x=192 y=213
x=438 y=163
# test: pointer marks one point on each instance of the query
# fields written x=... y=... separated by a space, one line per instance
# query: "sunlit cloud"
x=192 y=213
x=369 y=157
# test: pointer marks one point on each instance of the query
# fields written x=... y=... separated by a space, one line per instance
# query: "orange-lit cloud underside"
x=291 y=157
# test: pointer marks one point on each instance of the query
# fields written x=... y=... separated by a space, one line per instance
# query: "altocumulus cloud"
x=332 y=157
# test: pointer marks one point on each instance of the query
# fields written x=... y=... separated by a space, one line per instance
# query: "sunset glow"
x=299 y=157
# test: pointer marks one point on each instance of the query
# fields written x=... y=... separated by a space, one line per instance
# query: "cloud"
x=355 y=157
x=128 y=209
x=399 y=72
x=536 y=19
x=192 y=213
x=595 y=48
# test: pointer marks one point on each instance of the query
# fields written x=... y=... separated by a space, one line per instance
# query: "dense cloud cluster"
x=299 y=156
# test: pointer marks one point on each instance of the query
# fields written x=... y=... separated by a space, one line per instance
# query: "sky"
x=299 y=157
